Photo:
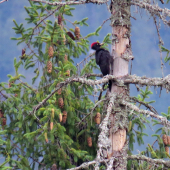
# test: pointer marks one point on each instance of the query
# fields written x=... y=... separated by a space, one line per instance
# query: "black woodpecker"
x=103 y=59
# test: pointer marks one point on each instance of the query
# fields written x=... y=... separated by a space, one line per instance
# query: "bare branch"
x=161 y=82
x=153 y=10
x=150 y=160
x=163 y=120
x=151 y=108
x=3 y=1
x=71 y=2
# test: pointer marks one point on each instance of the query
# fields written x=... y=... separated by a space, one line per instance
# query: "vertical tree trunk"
x=120 y=47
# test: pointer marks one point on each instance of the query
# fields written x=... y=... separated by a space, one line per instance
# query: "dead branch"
x=153 y=10
x=151 y=108
x=163 y=120
x=70 y=2
x=150 y=160
x=160 y=82
x=3 y=1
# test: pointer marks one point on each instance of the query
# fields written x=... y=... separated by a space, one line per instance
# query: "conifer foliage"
x=54 y=123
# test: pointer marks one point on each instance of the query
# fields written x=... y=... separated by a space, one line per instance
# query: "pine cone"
x=77 y=32
x=167 y=149
x=60 y=117
x=49 y=66
x=50 y=51
x=54 y=167
x=52 y=113
x=64 y=118
x=51 y=125
x=89 y=141
x=164 y=138
x=68 y=73
x=60 y=102
x=98 y=118
x=71 y=35
x=1 y=113
x=46 y=138
x=4 y=121
x=15 y=94
x=60 y=19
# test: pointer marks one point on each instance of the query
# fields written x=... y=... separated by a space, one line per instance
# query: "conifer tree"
x=57 y=125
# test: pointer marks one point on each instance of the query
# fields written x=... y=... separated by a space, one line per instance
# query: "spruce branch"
x=163 y=120
x=71 y=2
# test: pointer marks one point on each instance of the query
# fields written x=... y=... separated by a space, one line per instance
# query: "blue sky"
x=144 y=44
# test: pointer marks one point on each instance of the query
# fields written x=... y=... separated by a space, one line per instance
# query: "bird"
x=103 y=59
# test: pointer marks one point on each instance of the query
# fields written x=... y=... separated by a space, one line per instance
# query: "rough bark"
x=120 y=47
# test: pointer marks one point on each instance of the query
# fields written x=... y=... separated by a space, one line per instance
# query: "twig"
x=3 y=1
x=163 y=120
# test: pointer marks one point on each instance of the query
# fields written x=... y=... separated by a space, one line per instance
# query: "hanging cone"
x=89 y=141
x=167 y=149
x=60 y=102
x=16 y=95
x=60 y=117
x=164 y=138
x=1 y=113
x=46 y=138
x=50 y=51
x=49 y=66
x=52 y=113
x=68 y=73
x=51 y=125
x=98 y=118
x=71 y=35
x=3 y=121
x=168 y=138
x=60 y=19
x=64 y=118
x=77 y=32
x=10 y=83
x=54 y=167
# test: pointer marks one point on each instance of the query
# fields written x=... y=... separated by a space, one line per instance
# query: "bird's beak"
x=101 y=44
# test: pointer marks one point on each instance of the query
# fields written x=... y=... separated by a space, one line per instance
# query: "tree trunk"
x=120 y=47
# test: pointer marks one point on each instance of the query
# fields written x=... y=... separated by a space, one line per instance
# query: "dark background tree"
x=34 y=134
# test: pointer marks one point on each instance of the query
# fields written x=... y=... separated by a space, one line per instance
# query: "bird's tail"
x=110 y=85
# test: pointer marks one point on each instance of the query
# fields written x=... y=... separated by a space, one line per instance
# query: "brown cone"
x=54 y=167
x=23 y=52
x=1 y=113
x=98 y=118
x=59 y=19
x=49 y=66
x=71 y=35
x=77 y=32
x=64 y=118
x=167 y=149
x=60 y=102
x=165 y=140
x=168 y=138
x=68 y=73
x=89 y=141
x=50 y=51
x=4 y=121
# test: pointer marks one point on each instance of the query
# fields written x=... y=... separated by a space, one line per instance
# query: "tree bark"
x=119 y=67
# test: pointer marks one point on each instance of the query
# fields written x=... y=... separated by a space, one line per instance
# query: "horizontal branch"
x=162 y=119
x=150 y=160
x=71 y=2
x=162 y=82
x=131 y=157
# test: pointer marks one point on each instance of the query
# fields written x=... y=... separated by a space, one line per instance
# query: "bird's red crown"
x=94 y=44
